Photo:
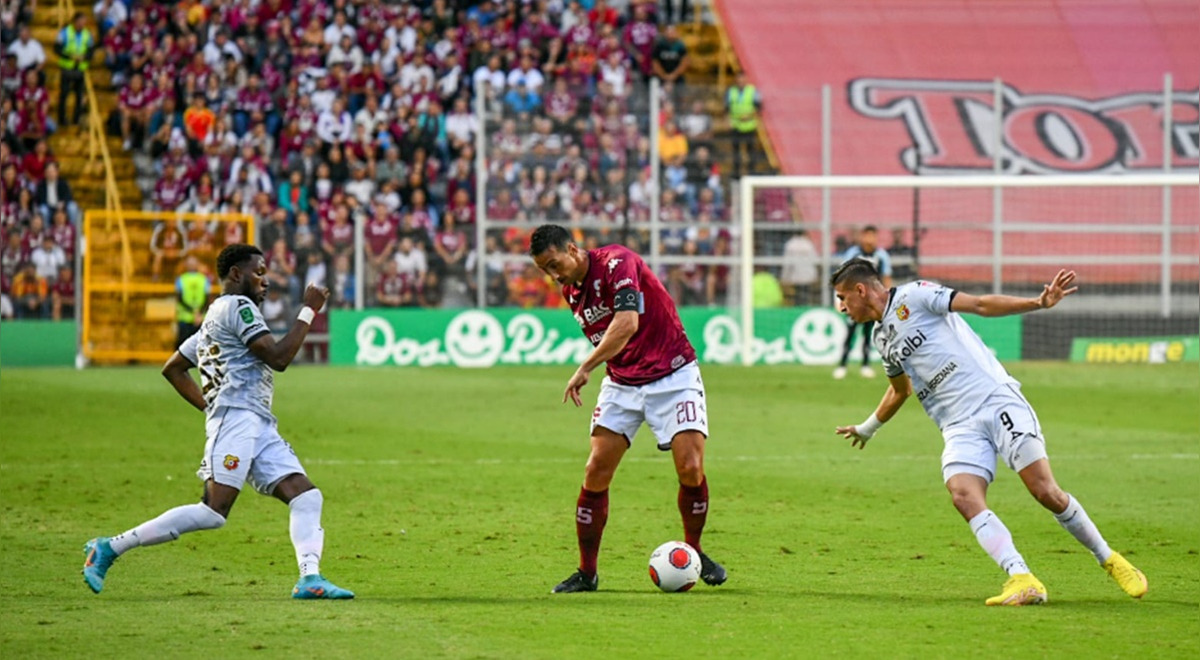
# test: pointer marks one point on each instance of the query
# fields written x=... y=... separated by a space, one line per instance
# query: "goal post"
x=1133 y=239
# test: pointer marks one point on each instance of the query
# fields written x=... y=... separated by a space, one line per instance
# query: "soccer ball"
x=674 y=566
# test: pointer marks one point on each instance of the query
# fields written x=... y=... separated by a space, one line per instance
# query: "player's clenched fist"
x=315 y=296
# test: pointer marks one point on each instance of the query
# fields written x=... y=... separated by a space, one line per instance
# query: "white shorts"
x=669 y=405
x=1006 y=426
x=243 y=445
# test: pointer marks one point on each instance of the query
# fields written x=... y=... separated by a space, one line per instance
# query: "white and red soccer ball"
x=675 y=566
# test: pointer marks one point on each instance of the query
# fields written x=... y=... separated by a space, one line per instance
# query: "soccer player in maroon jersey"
x=652 y=376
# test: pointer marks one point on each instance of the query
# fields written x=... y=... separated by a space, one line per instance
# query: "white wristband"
x=868 y=428
x=306 y=315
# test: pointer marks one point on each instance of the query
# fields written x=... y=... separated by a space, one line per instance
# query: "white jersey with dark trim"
x=951 y=369
x=230 y=375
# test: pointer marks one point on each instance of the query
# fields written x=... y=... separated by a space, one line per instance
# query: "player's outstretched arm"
x=998 y=305
x=176 y=372
x=278 y=355
x=898 y=391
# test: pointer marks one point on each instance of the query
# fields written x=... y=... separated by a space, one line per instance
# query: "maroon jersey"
x=379 y=233
x=660 y=346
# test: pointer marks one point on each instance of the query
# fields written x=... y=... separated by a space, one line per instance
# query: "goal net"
x=1133 y=240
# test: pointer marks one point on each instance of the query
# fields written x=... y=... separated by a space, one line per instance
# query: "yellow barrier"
x=127 y=309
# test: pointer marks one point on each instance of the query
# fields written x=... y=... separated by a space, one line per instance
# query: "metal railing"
x=97 y=146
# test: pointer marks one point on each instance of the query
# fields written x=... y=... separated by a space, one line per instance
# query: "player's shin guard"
x=591 y=514
x=997 y=542
x=1075 y=520
x=305 y=526
x=168 y=527
x=693 y=507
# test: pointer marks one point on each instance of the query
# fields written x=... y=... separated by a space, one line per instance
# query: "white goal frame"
x=749 y=185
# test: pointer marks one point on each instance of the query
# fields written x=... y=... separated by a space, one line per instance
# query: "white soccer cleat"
x=839 y=373
x=866 y=372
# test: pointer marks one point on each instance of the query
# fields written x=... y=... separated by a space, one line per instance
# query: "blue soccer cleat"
x=100 y=557
x=313 y=587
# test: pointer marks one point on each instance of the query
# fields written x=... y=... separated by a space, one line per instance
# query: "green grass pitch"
x=449 y=497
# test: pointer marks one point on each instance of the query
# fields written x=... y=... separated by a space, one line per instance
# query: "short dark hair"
x=870 y=228
x=234 y=255
x=546 y=237
x=855 y=270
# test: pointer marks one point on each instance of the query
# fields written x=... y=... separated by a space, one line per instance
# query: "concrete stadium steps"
x=69 y=143
x=704 y=50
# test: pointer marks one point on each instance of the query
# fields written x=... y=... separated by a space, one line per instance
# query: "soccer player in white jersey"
x=928 y=348
x=235 y=354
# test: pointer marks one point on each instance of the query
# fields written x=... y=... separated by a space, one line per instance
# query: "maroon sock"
x=591 y=513
x=693 y=506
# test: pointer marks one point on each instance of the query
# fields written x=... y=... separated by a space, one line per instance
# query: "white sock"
x=307 y=536
x=168 y=527
x=1075 y=520
x=997 y=542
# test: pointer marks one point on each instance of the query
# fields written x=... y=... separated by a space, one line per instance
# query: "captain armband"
x=628 y=300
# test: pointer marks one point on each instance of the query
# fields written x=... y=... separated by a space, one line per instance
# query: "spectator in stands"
x=136 y=105
x=12 y=256
x=33 y=165
x=74 y=45
x=277 y=311
x=718 y=276
x=697 y=125
x=10 y=75
x=30 y=293
x=530 y=289
x=198 y=121
x=63 y=232
x=164 y=121
x=47 y=258
x=410 y=259
x=192 y=290
x=670 y=58
x=520 y=99
x=341 y=282
x=395 y=289
x=281 y=268
x=32 y=107
x=109 y=14
x=62 y=294
x=29 y=52
x=639 y=37
x=293 y=194
x=801 y=276
x=450 y=244
x=171 y=191
x=338 y=238
x=166 y=249
x=743 y=103
x=53 y=193
x=335 y=126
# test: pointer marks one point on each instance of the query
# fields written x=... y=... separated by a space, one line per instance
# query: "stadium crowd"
x=314 y=116
x=38 y=214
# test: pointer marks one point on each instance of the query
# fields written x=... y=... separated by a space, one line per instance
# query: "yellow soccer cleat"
x=1132 y=581
x=1020 y=589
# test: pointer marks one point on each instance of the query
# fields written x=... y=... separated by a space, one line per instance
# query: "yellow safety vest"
x=76 y=43
x=743 y=116
x=193 y=289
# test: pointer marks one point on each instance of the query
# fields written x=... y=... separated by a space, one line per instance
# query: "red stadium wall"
x=1083 y=89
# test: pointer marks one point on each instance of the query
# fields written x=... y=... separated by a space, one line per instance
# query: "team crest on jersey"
x=902 y=312
x=231 y=462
